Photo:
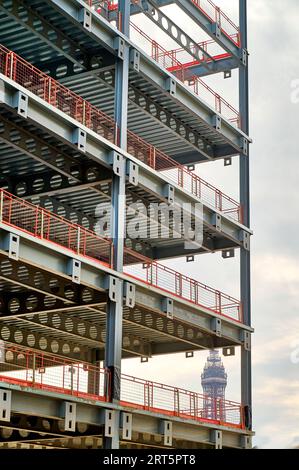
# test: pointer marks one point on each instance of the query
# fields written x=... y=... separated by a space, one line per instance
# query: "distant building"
x=214 y=381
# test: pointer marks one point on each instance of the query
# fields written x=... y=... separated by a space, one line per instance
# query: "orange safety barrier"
x=48 y=226
x=75 y=106
x=45 y=371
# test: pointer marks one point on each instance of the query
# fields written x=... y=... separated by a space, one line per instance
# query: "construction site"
x=100 y=116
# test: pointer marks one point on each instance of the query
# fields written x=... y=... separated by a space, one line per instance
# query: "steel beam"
x=218 y=66
x=160 y=19
x=206 y=23
x=115 y=306
x=40 y=411
x=71 y=348
x=152 y=11
x=27 y=426
x=245 y=278
x=140 y=100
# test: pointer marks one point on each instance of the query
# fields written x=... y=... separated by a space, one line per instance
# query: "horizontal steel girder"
x=47 y=407
x=84 y=62
x=34 y=307
x=206 y=23
x=140 y=100
x=70 y=348
x=25 y=427
x=202 y=20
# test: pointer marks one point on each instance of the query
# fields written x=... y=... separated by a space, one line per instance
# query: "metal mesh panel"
x=161 y=398
x=54 y=228
x=49 y=372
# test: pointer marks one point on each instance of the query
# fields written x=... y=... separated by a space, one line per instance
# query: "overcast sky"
x=274 y=69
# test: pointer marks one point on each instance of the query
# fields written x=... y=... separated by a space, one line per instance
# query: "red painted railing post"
x=42 y=213
x=176 y=397
x=1 y=205
x=78 y=377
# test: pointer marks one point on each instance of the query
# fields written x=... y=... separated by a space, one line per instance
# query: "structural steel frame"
x=93 y=318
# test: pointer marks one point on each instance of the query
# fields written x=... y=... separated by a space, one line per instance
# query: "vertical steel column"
x=245 y=281
x=115 y=309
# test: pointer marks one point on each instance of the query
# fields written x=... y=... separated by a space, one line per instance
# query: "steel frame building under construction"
x=93 y=109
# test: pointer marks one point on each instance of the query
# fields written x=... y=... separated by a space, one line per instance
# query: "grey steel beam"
x=40 y=280
x=206 y=23
x=71 y=348
x=54 y=37
x=115 y=306
x=219 y=66
x=61 y=333
x=47 y=293
x=30 y=403
x=202 y=20
x=39 y=149
x=183 y=336
x=28 y=425
x=53 y=260
x=245 y=278
x=160 y=19
x=141 y=100
x=194 y=157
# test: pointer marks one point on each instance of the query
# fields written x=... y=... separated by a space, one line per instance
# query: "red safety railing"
x=207 y=7
x=174 y=401
x=186 y=59
x=48 y=226
x=39 y=83
x=52 y=373
x=157 y=275
x=216 y=15
x=44 y=371
x=169 y=61
x=45 y=225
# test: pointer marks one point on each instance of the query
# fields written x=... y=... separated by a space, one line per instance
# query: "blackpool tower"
x=214 y=381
